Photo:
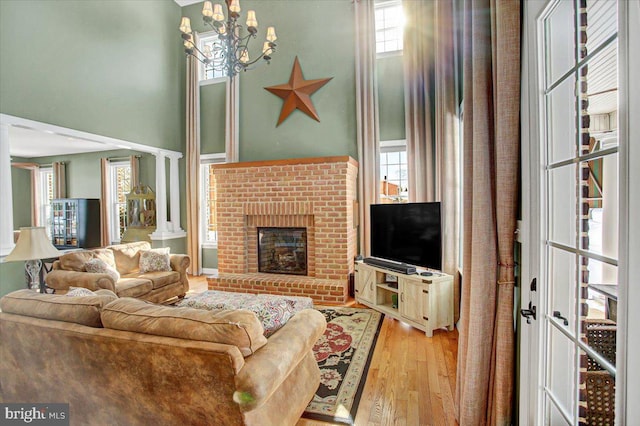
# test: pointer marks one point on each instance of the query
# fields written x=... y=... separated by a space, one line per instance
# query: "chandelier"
x=230 y=53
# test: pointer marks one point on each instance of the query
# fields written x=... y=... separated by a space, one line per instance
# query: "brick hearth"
x=315 y=193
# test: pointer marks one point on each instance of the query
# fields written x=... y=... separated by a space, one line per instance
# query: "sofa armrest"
x=61 y=280
x=180 y=263
x=265 y=370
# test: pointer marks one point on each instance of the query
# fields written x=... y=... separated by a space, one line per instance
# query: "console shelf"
x=425 y=303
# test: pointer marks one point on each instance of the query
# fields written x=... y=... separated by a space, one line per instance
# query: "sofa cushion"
x=79 y=292
x=76 y=260
x=133 y=287
x=161 y=279
x=83 y=310
x=97 y=265
x=239 y=328
x=154 y=260
x=127 y=256
x=273 y=311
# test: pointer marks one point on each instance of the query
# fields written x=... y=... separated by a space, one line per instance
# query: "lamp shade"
x=33 y=243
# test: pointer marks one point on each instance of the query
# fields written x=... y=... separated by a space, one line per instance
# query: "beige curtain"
x=491 y=78
x=193 y=164
x=367 y=130
x=34 y=170
x=232 y=120
x=418 y=62
x=432 y=133
x=134 y=160
x=59 y=179
x=104 y=202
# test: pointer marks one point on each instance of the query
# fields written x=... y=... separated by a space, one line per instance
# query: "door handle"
x=529 y=313
x=558 y=314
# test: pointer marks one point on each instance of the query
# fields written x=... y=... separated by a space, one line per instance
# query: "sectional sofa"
x=124 y=361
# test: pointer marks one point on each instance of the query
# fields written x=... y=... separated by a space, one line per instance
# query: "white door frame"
x=530 y=337
x=531 y=350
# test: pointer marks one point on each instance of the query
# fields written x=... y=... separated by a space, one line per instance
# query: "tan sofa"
x=69 y=271
x=129 y=362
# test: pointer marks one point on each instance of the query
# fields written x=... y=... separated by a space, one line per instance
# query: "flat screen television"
x=410 y=233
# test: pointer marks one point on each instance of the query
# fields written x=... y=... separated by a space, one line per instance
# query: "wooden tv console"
x=425 y=303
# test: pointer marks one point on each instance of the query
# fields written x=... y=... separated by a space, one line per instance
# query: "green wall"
x=83 y=170
x=391 y=97
x=21 y=193
x=111 y=68
x=212 y=118
x=324 y=49
x=209 y=258
x=114 y=68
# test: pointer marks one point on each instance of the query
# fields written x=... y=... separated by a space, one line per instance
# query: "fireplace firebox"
x=282 y=250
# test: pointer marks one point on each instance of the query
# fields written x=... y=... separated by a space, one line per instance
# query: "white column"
x=161 y=196
x=6 y=206
x=174 y=193
x=610 y=216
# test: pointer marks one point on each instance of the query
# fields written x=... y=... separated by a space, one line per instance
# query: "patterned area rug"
x=343 y=354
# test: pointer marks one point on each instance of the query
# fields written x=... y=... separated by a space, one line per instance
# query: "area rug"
x=343 y=354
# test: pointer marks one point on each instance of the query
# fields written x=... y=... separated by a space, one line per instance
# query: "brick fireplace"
x=314 y=194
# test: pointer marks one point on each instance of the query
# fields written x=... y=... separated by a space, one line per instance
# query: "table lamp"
x=33 y=244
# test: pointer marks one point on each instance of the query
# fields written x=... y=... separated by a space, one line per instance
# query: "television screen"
x=408 y=233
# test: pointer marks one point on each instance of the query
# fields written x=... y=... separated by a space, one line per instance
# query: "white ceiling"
x=183 y=3
x=30 y=143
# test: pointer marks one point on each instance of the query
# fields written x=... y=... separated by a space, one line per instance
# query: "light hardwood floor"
x=411 y=379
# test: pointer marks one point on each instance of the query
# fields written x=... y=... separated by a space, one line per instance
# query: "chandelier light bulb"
x=234 y=6
x=217 y=15
x=266 y=48
x=271 y=34
x=185 y=25
x=188 y=42
x=244 y=58
x=251 y=19
x=207 y=9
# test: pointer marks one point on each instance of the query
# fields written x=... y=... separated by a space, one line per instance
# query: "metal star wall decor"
x=297 y=93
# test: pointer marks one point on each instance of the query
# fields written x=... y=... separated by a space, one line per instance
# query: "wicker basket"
x=601 y=336
x=600 y=385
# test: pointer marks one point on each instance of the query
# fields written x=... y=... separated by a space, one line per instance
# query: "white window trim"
x=388 y=53
x=396 y=145
x=114 y=218
x=393 y=145
x=44 y=202
x=201 y=73
x=206 y=159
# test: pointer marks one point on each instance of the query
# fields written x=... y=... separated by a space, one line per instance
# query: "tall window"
x=389 y=26
x=206 y=71
x=394 y=179
x=45 y=192
x=208 y=196
x=120 y=186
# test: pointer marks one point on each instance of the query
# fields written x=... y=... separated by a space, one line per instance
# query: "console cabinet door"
x=412 y=299
x=365 y=284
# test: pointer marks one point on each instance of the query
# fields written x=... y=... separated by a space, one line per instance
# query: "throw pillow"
x=155 y=260
x=101 y=267
x=79 y=291
x=273 y=314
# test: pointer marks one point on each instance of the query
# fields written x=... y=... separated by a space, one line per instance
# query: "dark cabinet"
x=75 y=223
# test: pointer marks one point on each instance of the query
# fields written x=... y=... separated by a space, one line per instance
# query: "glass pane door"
x=580 y=99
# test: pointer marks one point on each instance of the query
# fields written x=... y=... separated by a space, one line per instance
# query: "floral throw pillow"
x=100 y=266
x=79 y=291
x=155 y=260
